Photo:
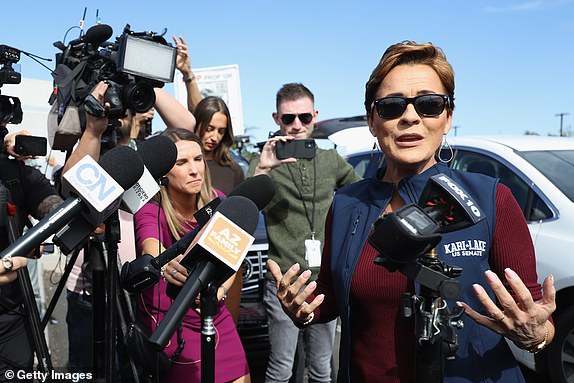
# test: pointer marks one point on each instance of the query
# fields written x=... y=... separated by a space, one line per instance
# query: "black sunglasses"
x=288 y=118
x=426 y=105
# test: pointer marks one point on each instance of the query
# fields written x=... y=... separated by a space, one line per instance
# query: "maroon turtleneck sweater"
x=383 y=344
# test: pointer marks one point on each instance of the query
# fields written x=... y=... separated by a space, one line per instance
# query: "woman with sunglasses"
x=157 y=226
x=410 y=101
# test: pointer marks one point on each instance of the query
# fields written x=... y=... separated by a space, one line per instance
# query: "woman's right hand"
x=174 y=272
x=292 y=295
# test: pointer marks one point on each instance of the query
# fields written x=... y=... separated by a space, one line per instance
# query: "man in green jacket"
x=295 y=221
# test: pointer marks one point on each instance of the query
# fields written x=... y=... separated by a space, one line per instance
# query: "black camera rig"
x=10 y=107
x=406 y=240
x=132 y=66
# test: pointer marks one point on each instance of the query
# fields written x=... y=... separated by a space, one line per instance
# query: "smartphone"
x=296 y=148
x=30 y=145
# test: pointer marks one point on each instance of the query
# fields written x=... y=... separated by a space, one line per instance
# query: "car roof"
x=519 y=143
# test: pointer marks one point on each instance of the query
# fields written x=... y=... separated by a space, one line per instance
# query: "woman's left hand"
x=523 y=321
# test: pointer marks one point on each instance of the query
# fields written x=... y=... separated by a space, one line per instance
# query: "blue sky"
x=513 y=60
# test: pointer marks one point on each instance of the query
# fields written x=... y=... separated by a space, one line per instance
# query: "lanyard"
x=311 y=219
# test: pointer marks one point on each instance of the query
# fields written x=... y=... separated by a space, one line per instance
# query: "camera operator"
x=32 y=194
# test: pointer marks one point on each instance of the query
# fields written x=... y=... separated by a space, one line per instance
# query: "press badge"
x=313 y=252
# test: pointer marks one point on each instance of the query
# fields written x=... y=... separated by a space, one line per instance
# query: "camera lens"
x=139 y=97
x=10 y=110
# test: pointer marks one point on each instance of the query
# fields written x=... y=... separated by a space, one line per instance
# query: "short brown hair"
x=291 y=92
x=410 y=53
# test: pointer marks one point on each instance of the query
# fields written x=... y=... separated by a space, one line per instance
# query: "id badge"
x=313 y=252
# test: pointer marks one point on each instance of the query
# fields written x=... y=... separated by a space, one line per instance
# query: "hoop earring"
x=376 y=150
x=444 y=145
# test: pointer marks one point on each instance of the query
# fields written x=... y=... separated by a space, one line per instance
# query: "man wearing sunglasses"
x=295 y=220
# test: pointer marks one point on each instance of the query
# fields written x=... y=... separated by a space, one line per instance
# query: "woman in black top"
x=215 y=130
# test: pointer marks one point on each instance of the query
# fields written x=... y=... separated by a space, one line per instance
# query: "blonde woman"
x=157 y=226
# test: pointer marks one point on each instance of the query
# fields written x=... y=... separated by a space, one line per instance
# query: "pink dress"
x=230 y=360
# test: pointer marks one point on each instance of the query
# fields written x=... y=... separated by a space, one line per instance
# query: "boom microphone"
x=215 y=255
x=159 y=154
x=94 y=193
x=96 y=35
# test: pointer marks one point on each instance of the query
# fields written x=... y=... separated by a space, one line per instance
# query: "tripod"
x=111 y=309
x=35 y=330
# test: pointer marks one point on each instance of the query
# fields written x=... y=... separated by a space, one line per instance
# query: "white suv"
x=540 y=173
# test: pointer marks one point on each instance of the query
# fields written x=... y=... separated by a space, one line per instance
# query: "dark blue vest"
x=483 y=355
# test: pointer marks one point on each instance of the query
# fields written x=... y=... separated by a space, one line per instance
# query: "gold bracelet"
x=540 y=346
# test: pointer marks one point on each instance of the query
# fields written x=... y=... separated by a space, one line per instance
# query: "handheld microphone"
x=159 y=155
x=94 y=193
x=214 y=256
x=96 y=35
x=411 y=231
x=143 y=273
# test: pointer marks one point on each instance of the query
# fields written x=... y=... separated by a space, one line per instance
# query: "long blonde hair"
x=175 y=221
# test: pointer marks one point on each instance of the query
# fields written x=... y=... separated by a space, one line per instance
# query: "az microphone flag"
x=226 y=241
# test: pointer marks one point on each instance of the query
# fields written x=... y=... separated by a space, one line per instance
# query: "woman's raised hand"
x=523 y=320
x=293 y=295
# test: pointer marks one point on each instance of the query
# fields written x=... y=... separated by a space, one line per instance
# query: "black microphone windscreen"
x=242 y=211
x=98 y=34
x=259 y=189
x=123 y=165
x=159 y=154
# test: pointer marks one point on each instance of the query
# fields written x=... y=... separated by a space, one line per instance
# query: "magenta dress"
x=230 y=360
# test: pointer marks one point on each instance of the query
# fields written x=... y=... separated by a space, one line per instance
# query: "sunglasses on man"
x=426 y=105
x=288 y=118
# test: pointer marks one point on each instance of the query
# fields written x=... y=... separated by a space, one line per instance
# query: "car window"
x=556 y=165
x=532 y=205
x=366 y=163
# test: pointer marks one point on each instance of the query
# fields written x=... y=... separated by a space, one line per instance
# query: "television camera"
x=10 y=107
x=132 y=66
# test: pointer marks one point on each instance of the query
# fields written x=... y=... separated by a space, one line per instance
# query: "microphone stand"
x=208 y=310
x=112 y=239
x=30 y=307
x=435 y=323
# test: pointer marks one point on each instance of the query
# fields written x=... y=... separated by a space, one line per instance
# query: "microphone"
x=96 y=35
x=159 y=155
x=215 y=255
x=94 y=194
x=260 y=189
x=143 y=272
